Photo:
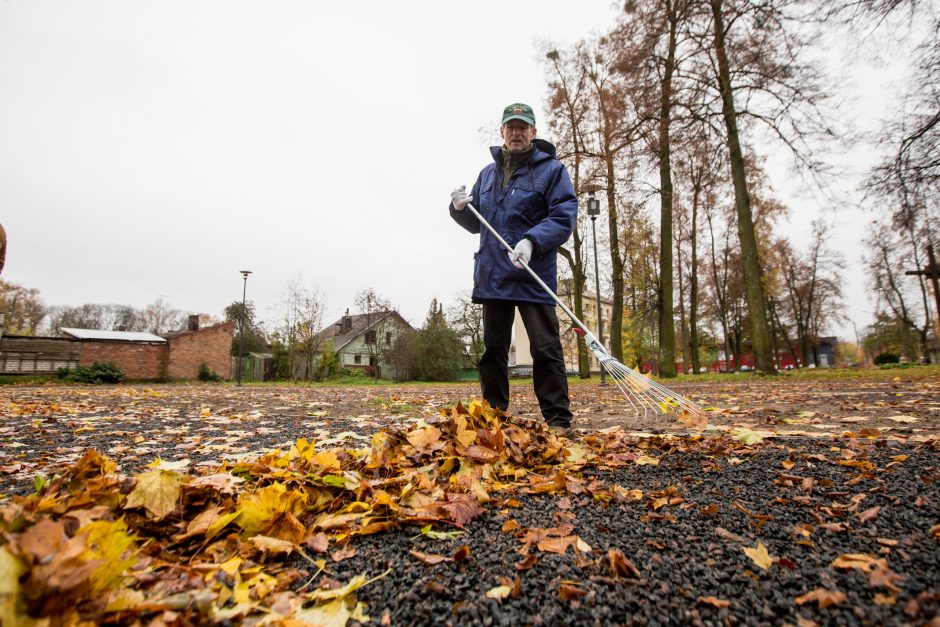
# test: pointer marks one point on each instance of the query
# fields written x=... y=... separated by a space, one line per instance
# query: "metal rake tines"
x=645 y=394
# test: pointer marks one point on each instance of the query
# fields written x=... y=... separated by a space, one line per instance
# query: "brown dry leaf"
x=861 y=561
x=510 y=525
x=884 y=599
x=714 y=601
x=462 y=508
x=568 y=591
x=870 y=514
x=344 y=553
x=759 y=555
x=620 y=566
x=42 y=539
x=275 y=546
x=499 y=592
x=430 y=558
x=557 y=545
x=721 y=532
x=425 y=438
x=824 y=598
x=158 y=491
x=318 y=542
x=461 y=554
x=697 y=421
x=527 y=562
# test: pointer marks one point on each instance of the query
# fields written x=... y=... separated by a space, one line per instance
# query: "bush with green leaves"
x=98 y=372
x=886 y=358
x=207 y=374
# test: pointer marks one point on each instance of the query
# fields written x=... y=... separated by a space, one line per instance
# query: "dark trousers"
x=548 y=360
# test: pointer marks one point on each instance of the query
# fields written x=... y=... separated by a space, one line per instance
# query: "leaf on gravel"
x=759 y=555
x=870 y=514
x=556 y=545
x=430 y=558
x=904 y=419
x=461 y=554
x=158 y=491
x=344 y=553
x=694 y=420
x=429 y=531
x=715 y=602
x=646 y=460
x=620 y=566
x=499 y=592
x=526 y=563
x=318 y=542
x=721 y=532
x=746 y=436
x=568 y=591
x=861 y=561
x=824 y=598
x=510 y=525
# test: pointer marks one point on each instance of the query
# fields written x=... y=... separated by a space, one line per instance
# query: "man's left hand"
x=522 y=253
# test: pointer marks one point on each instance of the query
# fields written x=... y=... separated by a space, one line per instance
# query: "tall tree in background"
x=756 y=303
x=567 y=111
x=302 y=311
x=249 y=337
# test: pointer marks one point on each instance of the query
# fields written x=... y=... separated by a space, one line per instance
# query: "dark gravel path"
x=684 y=527
x=689 y=551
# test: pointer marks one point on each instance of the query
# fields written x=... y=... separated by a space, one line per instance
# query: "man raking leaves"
x=528 y=208
x=527 y=194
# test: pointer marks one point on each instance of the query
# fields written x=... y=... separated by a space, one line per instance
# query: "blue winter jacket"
x=539 y=203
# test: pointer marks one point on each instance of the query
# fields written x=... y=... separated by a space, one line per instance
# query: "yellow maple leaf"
x=646 y=460
x=258 y=508
x=759 y=555
x=11 y=568
x=464 y=435
x=109 y=543
x=157 y=490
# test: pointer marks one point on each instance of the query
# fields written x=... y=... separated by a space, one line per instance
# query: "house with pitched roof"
x=362 y=341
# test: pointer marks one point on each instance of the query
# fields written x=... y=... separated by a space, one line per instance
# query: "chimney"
x=193 y=324
x=346 y=323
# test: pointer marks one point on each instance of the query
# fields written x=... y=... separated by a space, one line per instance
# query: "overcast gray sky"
x=154 y=149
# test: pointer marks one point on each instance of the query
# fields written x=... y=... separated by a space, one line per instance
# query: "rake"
x=644 y=395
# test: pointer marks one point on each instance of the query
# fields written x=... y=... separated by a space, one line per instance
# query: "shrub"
x=98 y=372
x=207 y=374
x=886 y=358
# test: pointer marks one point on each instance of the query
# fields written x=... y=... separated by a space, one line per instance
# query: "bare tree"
x=466 y=317
x=21 y=309
x=374 y=308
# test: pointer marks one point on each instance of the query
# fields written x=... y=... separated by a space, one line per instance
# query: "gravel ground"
x=866 y=484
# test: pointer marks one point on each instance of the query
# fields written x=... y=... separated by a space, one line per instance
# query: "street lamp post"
x=241 y=330
x=594 y=210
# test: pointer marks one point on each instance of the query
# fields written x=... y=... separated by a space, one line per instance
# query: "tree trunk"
x=616 y=263
x=754 y=291
x=693 y=288
x=667 y=331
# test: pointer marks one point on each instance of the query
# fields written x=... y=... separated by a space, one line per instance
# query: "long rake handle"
x=589 y=337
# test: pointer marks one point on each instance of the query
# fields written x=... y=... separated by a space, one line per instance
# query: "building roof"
x=125 y=336
x=358 y=324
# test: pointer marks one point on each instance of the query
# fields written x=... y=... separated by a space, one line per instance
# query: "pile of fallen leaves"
x=92 y=545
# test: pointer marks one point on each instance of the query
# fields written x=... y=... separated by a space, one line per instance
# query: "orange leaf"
x=824 y=598
x=719 y=603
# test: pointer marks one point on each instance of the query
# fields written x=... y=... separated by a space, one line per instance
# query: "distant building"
x=362 y=340
x=569 y=339
x=140 y=356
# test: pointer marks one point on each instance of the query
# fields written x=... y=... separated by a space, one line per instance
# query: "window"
x=388 y=338
x=357 y=358
x=370 y=337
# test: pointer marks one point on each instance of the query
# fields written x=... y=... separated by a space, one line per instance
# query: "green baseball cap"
x=519 y=111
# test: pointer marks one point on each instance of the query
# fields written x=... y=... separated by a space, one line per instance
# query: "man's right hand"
x=460 y=198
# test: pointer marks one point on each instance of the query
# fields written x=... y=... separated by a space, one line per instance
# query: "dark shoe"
x=561 y=430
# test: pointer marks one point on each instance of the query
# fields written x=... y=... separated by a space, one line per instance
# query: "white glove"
x=460 y=198
x=522 y=253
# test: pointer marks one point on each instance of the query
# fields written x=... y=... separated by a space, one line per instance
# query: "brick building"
x=140 y=356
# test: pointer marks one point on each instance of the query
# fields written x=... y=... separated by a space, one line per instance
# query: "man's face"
x=517 y=135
